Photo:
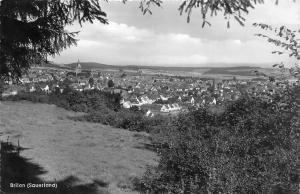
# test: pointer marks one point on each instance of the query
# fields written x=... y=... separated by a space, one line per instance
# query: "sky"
x=166 y=39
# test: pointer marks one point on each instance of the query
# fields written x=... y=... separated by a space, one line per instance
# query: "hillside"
x=207 y=70
x=241 y=71
x=94 y=65
x=90 y=65
x=87 y=151
x=52 y=65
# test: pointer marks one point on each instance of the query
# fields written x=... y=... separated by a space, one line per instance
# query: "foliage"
x=253 y=147
x=123 y=75
x=286 y=39
x=33 y=29
x=132 y=120
x=91 y=81
x=86 y=101
x=110 y=83
x=235 y=9
x=101 y=107
x=2 y=87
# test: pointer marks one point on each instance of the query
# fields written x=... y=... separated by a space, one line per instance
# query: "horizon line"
x=200 y=65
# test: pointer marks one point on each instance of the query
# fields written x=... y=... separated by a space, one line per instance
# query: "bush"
x=86 y=101
x=127 y=119
x=102 y=107
x=253 y=147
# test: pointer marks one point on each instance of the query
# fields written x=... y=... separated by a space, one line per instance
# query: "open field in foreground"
x=65 y=148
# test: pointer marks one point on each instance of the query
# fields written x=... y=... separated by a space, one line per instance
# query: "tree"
x=271 y=78
x=2 y=87
x=110 y=83
x=252 y=147
x=287 y=39
x=33 y=29
x=288 y=42
x=91 y=81
x=66 y=82
x=234 y=8
x=123 y=75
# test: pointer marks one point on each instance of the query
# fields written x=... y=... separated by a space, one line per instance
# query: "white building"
x=170 y=108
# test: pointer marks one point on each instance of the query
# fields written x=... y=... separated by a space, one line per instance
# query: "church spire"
x=78 y=65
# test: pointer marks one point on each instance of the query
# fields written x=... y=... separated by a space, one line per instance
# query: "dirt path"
x=64 y=147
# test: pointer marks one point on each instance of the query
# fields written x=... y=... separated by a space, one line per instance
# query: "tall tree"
x=110 y=83
x=30 y=30
x=91 y=81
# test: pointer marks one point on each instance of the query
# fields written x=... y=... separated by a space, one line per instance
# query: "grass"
x=64 y=148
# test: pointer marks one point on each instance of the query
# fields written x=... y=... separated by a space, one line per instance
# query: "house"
x=149 y=114
x=164 y=109
x=214 y=102
x=170 y=108
x=87 y=87
x=24 y=80
x=46 y=89
x=11 y=91
x=127 y=104
x=163 y=98
x=32 y=89
x=192 y=100
x=146 y=100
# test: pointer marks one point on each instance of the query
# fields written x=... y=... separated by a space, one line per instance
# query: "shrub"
x=102 y=107
x=253 y=147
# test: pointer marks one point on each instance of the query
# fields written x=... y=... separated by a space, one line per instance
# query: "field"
x=88 y=151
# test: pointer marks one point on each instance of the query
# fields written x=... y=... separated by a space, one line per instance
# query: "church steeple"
x=78 y=68
x=78 y=65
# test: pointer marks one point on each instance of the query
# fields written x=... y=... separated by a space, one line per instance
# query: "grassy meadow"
x=91 y=152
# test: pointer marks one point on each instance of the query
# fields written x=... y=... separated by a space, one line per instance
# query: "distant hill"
x=90 y=65
x=241 y=71
x=220 y=70
x=53 y=65
x=215 y=67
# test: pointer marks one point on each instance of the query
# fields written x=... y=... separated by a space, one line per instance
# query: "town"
x=154 y=93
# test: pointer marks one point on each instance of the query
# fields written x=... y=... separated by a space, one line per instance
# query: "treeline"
x=70 y=99
x=101 y=107
x=252 y=147
x=126 y=119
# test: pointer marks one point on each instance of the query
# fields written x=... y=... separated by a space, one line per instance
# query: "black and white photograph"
x=149 y=97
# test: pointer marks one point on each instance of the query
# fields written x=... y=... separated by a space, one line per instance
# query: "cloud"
x=237 y=41
x=287 y=12
x=168 y=40
x=131 y=45
x=113 y=31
